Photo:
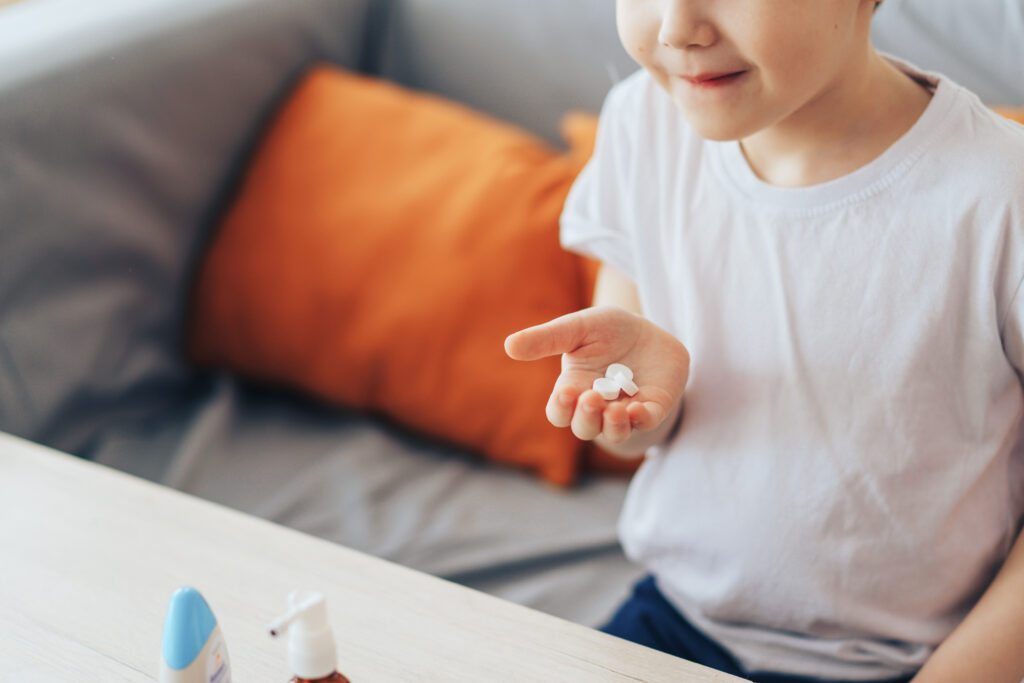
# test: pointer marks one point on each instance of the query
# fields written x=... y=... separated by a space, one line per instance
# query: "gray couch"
x=123 y=129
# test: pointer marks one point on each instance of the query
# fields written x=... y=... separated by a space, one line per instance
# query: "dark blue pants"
x=649 y=619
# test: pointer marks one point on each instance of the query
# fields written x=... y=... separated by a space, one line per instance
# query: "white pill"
x=608 y=388
x=616 y=368
x=626 y=384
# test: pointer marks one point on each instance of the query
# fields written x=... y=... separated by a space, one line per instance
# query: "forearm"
x=989 y=644
x=638 y=442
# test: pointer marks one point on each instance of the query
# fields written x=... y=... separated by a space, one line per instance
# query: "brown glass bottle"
x=333 y=678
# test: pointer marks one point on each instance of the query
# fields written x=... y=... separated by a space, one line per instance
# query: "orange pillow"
x=1012 y=114
x=382 y=246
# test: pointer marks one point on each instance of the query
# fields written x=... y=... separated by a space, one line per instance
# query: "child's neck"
x=842 y=130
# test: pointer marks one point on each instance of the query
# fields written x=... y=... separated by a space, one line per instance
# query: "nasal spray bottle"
x=312 y=657
x=193 y=648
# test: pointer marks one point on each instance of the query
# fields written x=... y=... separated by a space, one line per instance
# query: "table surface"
x=89 y=557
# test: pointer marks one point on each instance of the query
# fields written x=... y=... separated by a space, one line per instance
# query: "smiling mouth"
x=713 y=80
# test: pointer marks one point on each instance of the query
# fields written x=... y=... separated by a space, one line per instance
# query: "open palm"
x=589 y=341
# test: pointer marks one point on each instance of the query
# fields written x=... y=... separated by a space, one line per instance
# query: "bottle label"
x=218 y=669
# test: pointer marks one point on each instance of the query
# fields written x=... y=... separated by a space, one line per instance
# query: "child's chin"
x=719 y=135
x=712 y=125
x=717 y=128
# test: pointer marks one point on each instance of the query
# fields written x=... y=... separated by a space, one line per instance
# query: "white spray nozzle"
x=304 y=605
x=311 y=652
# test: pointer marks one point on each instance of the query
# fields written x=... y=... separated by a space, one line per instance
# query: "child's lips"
x=713 y=80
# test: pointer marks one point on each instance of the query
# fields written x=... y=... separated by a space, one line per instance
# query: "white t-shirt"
x=849 y=472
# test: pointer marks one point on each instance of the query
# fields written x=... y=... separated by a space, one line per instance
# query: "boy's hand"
x=589 y=341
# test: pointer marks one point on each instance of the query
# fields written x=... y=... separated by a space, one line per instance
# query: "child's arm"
x=612 y=288
x=592 y=339
x=989 y=644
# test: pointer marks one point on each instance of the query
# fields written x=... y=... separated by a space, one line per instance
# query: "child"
x=836 y=241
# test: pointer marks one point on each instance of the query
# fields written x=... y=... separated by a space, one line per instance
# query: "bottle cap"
x=311 y=651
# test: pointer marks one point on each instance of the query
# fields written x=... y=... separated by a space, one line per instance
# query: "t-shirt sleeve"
x=594 y=220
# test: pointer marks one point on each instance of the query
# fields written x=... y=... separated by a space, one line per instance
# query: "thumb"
x=561 y=335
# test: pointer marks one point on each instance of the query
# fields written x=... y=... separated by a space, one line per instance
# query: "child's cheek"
x=637 y=25
x=643 y=54
x=639 y=55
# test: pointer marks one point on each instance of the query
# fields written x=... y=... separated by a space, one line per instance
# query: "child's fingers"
x=645 y=415
x=586 y=420
x=561 y=404
x=616 y=423
x=560 y=335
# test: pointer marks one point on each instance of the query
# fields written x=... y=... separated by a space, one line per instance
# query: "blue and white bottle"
x=193 y=648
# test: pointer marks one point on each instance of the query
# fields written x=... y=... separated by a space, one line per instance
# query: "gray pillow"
x=120 y=123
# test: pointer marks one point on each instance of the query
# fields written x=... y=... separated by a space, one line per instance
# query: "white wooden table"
x=89 y=557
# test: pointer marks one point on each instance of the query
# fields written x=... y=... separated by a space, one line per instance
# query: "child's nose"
x=685 y=25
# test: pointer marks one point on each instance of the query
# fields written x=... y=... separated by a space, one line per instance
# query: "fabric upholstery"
x=121 y=126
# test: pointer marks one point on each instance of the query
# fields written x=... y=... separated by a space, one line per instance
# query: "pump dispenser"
x=311 y=653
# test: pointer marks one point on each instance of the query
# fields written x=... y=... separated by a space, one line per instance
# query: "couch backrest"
x=119 y=122
x=978 y=43
x=526 y=61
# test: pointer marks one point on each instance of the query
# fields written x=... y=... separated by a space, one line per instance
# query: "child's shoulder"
x=985 y=145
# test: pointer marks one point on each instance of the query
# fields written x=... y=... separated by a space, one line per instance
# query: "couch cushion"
x=120 y=125
x=394 y=495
